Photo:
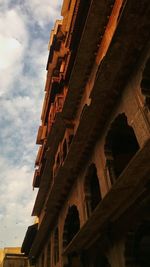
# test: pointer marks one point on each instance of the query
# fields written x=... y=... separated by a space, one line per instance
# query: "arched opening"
x=72 y=225
x=56 y=246
x=64 y=149
x=121 y=145
x=92 y=189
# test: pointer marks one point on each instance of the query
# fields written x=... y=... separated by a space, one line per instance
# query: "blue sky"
x=25 y=27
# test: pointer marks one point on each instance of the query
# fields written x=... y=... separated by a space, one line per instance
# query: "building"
x=12 y=257
x=1 y=257
x=93 y=163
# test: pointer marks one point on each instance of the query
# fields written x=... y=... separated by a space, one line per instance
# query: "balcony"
x=57 y=40
x=39 y=156
x=37 y=176
x=55 y=108
x=39 y=165
x=53 y=140
x=42 y=133
x=63 y=150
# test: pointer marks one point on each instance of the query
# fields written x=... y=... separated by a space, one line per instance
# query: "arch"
x=120 y=146
x=56 y=246
x=92 y=189
x=71 y=226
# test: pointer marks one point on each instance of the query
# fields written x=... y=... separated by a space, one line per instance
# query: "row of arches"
x=136 y=248
x=92 y=197
x=120 y=146
x=72 y=220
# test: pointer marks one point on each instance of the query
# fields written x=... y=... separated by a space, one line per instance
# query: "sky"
x=25 y=27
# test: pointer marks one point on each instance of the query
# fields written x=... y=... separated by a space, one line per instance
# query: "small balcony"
x=36 y=177
x=63 y=150
x=39 y=166
x=42 y=133
x=55 y=108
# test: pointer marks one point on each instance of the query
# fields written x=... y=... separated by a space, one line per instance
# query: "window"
x=72 y=225
x=92 y=189
x=121 y=145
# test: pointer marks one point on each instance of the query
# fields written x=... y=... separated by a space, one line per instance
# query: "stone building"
x=12 y=257
x=93 y=163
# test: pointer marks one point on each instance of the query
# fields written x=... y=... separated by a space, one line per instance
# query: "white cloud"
x=23 y=59
x=16 y=198
x=12 y=24
x=13 y=42
x=45 y=11
x=10 y=50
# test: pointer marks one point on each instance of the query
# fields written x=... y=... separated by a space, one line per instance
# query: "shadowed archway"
x=120 y=146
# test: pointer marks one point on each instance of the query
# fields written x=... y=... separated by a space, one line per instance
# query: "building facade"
x=93 y=164
x=12 y=257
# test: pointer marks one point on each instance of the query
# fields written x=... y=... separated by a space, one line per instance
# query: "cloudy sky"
x=24 y=34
